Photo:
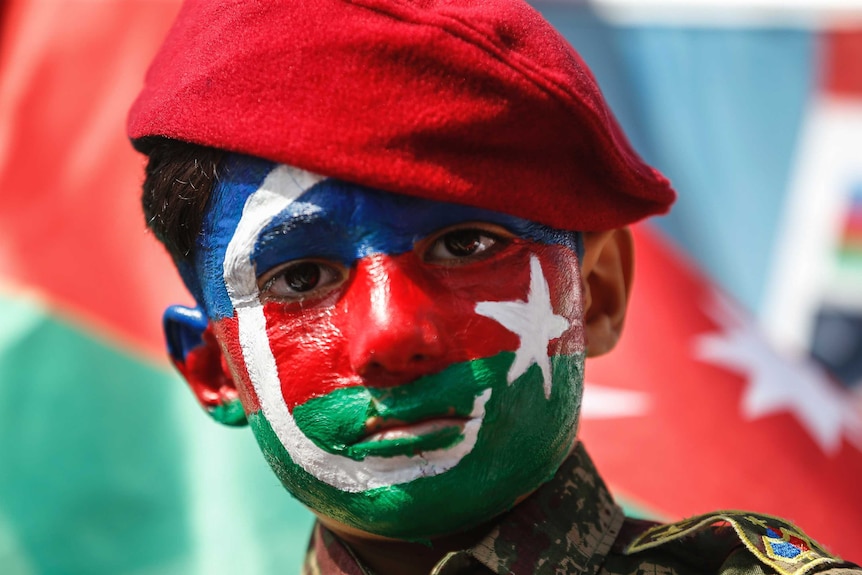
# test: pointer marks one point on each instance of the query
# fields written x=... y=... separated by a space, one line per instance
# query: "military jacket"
x=571 y=525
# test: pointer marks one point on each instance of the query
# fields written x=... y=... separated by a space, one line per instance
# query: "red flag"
x=694 y=412
x=71 y=217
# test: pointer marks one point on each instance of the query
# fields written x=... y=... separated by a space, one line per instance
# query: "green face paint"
x=229 y=413
x=336 y=422
x=343 y=309
x=522 y=441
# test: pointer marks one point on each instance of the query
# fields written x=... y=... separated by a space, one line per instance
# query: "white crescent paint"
x=278 y=191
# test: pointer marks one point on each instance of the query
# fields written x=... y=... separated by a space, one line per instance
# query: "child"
x=404 y=224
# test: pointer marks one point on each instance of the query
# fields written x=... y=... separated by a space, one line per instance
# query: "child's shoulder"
x=726 y=542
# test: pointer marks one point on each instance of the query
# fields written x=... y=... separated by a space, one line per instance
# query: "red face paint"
x=398 y=318
x=343 y=310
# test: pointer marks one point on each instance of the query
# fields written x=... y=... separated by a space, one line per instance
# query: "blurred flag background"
x=753 y=109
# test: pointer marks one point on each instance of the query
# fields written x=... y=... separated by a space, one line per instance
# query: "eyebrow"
x=301 y=236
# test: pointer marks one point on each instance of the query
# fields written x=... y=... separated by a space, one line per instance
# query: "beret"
x=476 y=102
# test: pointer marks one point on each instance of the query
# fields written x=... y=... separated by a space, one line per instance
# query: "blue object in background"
x=718 y=111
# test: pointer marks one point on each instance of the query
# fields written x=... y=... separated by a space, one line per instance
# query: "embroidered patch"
x=771 y=540
x=786 y=545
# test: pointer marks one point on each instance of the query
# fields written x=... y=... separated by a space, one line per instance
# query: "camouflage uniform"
x=572 y=525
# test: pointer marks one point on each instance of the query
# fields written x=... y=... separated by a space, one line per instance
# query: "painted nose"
x=396 y=336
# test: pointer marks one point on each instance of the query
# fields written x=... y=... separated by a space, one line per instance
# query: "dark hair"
x=179 y=180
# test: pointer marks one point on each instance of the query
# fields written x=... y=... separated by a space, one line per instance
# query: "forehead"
x=299 y=215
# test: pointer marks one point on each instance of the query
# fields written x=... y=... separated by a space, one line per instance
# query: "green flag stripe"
x=109 y=466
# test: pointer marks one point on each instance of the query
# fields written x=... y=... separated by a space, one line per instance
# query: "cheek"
x=307 y=348
x=227 y=332
x=507 y=279
x=562 y=272
x=309 y=352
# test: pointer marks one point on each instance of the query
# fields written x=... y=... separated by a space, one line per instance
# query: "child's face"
x=409 y=367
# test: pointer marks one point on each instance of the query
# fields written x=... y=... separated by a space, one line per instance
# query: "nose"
x=396 y=334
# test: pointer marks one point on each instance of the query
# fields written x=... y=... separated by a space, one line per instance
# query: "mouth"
x=386 y=438
x=383 y=430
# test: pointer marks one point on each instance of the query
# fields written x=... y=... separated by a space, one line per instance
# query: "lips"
x=428 y=414
x=379 y=429
x=398 y=438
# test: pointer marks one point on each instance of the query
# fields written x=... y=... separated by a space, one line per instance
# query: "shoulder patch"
x=773 y=541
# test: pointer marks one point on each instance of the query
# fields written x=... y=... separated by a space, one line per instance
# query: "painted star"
x=776 y=384
x=533 y=321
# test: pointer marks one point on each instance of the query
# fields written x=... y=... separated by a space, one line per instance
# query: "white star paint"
x=776 y=384
x=602 y=402
x=533 y=321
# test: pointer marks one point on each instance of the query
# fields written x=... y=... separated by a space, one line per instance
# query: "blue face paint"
x=342 y=222
x=290 y=361
x=334 y=221
x=240 y=177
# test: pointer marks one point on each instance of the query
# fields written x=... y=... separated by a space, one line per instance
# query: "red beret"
x=478 y=102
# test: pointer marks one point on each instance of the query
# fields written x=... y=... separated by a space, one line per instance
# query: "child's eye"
x=300 y=279
x=463 y=244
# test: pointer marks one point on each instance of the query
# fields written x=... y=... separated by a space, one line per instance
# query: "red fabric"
x=842 y=54
x=72 y=228
x=475 y=102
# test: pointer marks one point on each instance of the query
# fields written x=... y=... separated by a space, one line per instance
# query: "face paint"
x=409 y=367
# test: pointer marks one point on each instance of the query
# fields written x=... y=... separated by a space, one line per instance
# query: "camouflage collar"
x=567 y=526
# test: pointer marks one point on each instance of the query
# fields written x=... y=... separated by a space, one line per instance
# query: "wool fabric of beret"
x=476 y=102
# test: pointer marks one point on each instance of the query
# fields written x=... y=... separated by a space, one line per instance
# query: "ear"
x=607 y=272
x=196 y=354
